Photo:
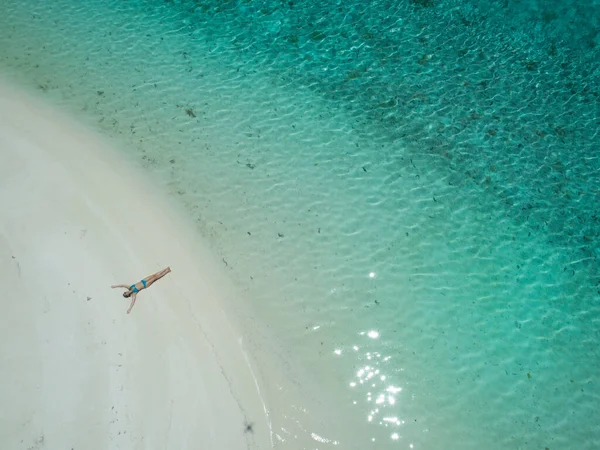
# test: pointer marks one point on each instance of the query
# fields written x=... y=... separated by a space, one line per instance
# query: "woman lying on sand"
x=133 y=290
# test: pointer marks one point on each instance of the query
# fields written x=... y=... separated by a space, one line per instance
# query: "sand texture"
x=77 y=372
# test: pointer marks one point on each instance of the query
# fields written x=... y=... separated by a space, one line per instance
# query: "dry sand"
x=77 y=372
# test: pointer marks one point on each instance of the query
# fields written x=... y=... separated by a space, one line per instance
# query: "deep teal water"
x=406 y=192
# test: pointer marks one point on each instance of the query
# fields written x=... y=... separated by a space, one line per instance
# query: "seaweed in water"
x=317 y=35
x=423 y=3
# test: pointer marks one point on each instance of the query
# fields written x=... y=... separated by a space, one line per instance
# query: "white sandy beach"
x=77 y=372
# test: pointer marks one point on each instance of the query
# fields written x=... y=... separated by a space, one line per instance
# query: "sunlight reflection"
x=318 y=438
x=381 y=393
x=393 y=420
x=373 y=334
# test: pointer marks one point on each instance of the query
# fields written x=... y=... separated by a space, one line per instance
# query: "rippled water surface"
x=406 y=193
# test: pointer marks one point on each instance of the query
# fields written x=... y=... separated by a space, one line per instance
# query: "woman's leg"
x=163 y=272
x=157 y=276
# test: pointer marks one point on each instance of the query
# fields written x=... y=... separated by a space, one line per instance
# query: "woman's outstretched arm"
x=133 y=296
x=120 y=285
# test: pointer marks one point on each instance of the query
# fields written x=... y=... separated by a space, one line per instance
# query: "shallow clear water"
x=406 y=192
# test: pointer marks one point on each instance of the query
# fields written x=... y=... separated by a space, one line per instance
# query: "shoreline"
x=176 y=374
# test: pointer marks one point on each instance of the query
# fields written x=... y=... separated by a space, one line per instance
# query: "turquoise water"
x=406 y=193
